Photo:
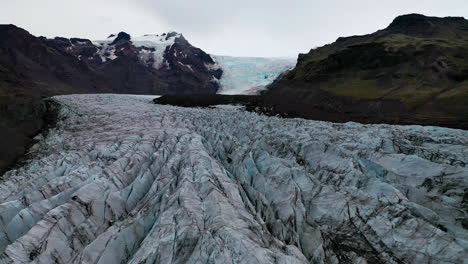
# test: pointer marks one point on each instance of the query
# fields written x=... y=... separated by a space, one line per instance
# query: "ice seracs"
x=121 y=180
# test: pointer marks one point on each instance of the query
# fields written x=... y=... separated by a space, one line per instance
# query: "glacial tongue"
x=250 y=75
x=121 y=180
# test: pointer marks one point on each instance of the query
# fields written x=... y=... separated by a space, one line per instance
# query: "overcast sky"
x=222 y=27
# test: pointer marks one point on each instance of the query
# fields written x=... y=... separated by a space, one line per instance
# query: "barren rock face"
x=121 y=180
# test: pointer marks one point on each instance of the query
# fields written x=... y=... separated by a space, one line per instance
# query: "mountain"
x=121 y=180
x=415 y=71
x=30 y=65
x=152 y=64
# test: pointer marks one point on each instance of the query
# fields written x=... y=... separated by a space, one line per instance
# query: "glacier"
x=122 y=180
x=250 y=75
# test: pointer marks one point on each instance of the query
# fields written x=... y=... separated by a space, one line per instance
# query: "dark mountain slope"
x=30 y=65
x=43 y=66
x=414 y=71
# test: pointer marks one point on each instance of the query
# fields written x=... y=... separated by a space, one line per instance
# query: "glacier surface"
x=122 y=180
x=250 y=75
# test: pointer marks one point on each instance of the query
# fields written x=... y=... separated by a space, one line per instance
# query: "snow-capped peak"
x=152 y=47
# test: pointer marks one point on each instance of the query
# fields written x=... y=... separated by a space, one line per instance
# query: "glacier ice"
x=122 y=180
x=250 y=75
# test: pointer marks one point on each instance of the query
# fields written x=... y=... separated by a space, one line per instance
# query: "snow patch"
x=158 y=45
x=106 y=50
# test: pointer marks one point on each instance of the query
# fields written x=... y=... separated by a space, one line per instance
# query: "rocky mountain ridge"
x=151 y=64
x=56 y=66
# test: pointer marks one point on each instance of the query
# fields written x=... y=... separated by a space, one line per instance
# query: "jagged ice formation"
x=122 y=180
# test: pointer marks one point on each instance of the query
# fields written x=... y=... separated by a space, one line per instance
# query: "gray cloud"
x=240 y=28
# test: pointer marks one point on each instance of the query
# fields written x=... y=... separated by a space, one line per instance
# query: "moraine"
x=121 y=180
